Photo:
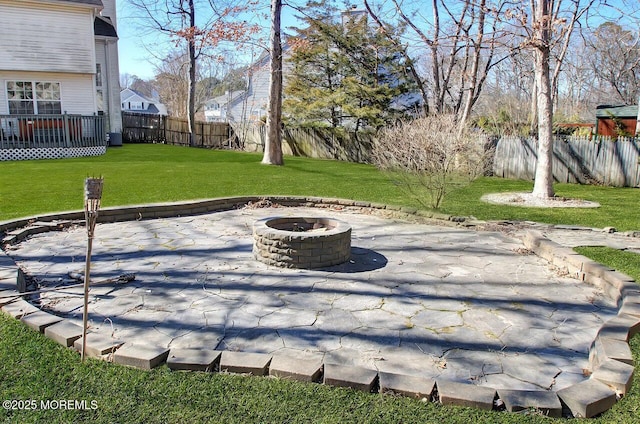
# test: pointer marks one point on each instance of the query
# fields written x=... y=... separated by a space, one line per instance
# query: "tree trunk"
x=191 y=112
x=273 y=143
x=477 y=52
x=533 y=118
x=435 y=64
x=543 y=184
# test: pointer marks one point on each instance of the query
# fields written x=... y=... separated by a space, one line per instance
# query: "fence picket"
x=575 y=160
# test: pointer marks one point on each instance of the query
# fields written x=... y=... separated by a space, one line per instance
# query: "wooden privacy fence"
x=144 y=128
x=575 y=160
x=321 y=143
x=327 y=144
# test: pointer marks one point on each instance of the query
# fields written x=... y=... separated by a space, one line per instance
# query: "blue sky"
x=133 y=57
x=139 y=49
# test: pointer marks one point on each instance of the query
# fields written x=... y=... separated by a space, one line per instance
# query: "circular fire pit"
x=301 y=242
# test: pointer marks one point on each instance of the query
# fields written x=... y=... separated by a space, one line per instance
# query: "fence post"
x=164 y=129
x=65 y=124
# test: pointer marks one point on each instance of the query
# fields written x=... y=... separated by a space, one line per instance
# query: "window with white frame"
x=34 y=97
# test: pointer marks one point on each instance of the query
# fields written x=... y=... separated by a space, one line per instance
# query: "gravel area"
x=530 y=201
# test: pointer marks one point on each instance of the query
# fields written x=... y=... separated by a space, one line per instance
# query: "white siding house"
x=133 y=101
x=252 y=106
x=218 y=108
x=52 y=58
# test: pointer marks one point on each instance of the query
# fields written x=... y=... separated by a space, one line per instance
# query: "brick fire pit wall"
x=301 y=242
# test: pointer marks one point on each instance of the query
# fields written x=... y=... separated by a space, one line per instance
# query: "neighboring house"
x=59 y=57
x=133 y=101
x=218 y=109
x=617 y=120
x=252 y=105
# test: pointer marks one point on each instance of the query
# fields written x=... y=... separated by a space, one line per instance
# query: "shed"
x=615 y=121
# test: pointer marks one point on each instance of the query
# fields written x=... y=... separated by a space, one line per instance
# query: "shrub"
x=430 y=156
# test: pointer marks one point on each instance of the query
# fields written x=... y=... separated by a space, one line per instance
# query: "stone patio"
x=436 y=303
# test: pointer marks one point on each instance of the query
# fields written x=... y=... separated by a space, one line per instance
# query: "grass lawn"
x=33 y=367
x=620 y=207
x=136 y=174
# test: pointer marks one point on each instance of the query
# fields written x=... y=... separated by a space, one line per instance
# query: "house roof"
x=128 y=93
x=264 y=59
x=226 y=98
x=104 y=27
x=155 y=107
x=621 y=111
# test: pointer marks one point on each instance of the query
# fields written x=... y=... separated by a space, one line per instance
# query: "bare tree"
x=126 y=80
x=172 y=82
x=614 y=58
x=459 y=42
x=182 y=21
x=413 y=72
x=548 y=28
x=273 y=143
x=541 y=41
x=578 y=86
x=465 y=39
x=144 y=87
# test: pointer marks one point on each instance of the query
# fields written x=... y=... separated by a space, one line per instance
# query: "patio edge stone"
x=358 y=378
x=462 y=394
x=544 y=401
x=245 y=363
x=64 y=332
x=407 y=385
x=300 y=369
x=140 y=356
x=588 y=398
x=184 y=359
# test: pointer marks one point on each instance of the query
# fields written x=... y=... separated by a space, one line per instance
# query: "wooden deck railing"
x=48 y=131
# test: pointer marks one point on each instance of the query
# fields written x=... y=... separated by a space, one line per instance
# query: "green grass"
x=619 y=206
x=136 y=174
x=33 y=367
x=625 y=262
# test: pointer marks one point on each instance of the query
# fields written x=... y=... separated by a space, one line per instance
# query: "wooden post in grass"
x=92 y=196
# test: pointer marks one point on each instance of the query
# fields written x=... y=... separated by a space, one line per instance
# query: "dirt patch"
x=530 y=201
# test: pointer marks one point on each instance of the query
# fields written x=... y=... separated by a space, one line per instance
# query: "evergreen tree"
x=343 y=73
